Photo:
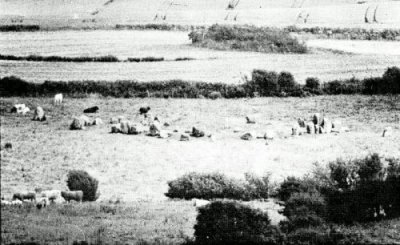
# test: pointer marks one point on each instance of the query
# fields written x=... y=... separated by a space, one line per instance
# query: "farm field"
x=209 y=66
x=136 y=168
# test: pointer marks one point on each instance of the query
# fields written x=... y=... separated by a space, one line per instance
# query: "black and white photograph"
x=200 y=122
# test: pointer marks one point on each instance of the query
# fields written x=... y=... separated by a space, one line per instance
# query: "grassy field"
x=136 y=169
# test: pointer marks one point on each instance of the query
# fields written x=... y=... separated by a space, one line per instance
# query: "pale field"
x=366 y=59
x=136 y=168
x=334 y=13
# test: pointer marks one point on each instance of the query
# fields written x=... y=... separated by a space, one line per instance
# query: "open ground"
x=136 y=168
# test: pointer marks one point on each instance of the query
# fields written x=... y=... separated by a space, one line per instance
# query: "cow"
x=144 y=110
x=72 y=195
x=93 y=109
x=24 y=196
x=58 y=99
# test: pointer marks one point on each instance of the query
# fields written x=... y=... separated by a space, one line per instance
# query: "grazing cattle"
x=97 y=121
x=197 y=133
x=24 y=196
x=72 y=195
x=39 y=114
x=185 y=137
x=93 y=109
x=144 y=110
x=387 y=132
x=58 y=99
x=115 y=128
x=114 y=120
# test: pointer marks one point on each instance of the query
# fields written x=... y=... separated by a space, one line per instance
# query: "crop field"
x=136 y=168
x=208 y=66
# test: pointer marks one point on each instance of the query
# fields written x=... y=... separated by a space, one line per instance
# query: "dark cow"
x=72 y=195
x=93 y=109
x=24 y=196
x=144 y=110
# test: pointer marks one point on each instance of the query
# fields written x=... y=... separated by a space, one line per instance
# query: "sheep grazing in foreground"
x=20 y=109
x=93 y=109
x=72 y=195
x=39 y=114
x=144 y=110
x=24 y=196
x=58 y=99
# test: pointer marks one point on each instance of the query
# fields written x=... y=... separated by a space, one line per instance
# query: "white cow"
x=58 y=98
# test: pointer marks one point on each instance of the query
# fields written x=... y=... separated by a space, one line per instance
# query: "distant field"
x=209 y=66
x=79 y=14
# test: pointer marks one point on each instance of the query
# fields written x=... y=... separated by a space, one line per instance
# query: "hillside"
x=92 y=13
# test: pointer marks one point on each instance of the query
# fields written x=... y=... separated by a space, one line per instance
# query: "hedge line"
x=18 y=28
x=107 y=58
x=262 y=83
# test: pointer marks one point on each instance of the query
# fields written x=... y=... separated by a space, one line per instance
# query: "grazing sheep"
x=24 y=196
x=387 y=132
x=197 y=133
x=93 y=109
x=58 y=99
x=114 y=120
x=39 y=114
x=115 y=128
x=185 y=137
x=144 y=110
x=72 y=195
x=53 y=196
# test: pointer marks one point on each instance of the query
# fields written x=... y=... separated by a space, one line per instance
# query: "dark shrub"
x=323 y=236
x=81 y=180
x=234 y=223
x=216 y=185
x=292 y=185
x=391 y=78
x=305 y=210
x=312 y=84
x=286 y=82
x=264 y=82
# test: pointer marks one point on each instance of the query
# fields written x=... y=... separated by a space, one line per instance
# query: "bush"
x=286 y=82
x=234 y=223
x=216 y=185
x=264 y=82
x=305 y=210
x=293 y=185
x=250 y=38
x=81 y=180
x=323 y=236
x=312 y=85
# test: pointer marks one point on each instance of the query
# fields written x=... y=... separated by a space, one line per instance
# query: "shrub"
x=292 y=185
x=323 y=236
x=234 y=223
x=304 y=210
x=81 y=180
x=286 y=82
x=312 y=84
x=216 y=185
x=264 y=82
